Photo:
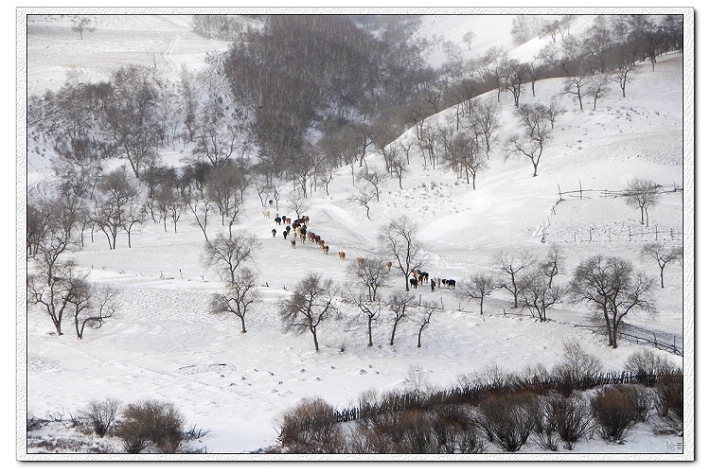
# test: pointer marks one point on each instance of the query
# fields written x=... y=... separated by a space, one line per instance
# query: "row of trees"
x=611 y=285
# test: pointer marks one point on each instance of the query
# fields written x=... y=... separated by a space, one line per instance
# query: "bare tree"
x=644 y=194
x=373 y=177
x=598 y=87
x=297 y=203
x=485 y=120
x=513 y=265
x=576 y=86
x=399 y=239
x=370 y=309
x=116 y=193
x=132 y=115
x=228 y=253
x=554 y=109
x=82 y=25
x=551 y=263
x=102 y=304
x=65 y=293
x=513 y=77
x=240 y=294
x=311 y=304
x=218 y=132
x=534 y=122
x=225 y=185
x=537 y=295
x=399 y=303
x=200 y=207
x=135 y=213
x=477 y=287
x=613 y=289
x=363 y=198
x=662 y=255
x=370 y=272
x=425 y=313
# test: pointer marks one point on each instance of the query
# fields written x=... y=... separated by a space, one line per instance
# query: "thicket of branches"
x=494 y=413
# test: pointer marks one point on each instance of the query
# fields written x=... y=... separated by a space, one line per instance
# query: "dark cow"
x=285 y=233
x=433 y=284
x=449 y=283
x=277 y=220
x=273 y=233
x=288 y=229
x=413 y=282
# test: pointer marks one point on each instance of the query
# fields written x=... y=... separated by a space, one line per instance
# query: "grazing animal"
x=267 y=214
x=433 y=285
x=438 y=282
x=277 y=220
x=305 y=219
x=425 y=277
x=389 y=265
x=361 y=261
x=293 y=243
x=449 y=283
x=283 y=219
x=325 y=249
x=303 y=238
x=288 y=221
x=285 y=233
x=341 y=255
x=271 y=203
x=413 y=282
x=273 y=233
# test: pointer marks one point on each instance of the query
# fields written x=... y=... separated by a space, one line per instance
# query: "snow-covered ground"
x=165 y=344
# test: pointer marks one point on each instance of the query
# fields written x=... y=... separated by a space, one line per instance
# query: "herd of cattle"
x=297 y=230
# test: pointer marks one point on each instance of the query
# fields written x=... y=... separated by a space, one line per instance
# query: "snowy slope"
x=165 y=344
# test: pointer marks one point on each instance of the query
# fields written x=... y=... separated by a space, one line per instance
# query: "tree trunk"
x=394 y=330
x=315 y=339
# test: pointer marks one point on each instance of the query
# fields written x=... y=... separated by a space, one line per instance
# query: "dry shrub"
x=545 y=425
x=156 y=422
x=572 y=418
x=102 y=415
x=455 y=430
x=508 y=419
x=616 y=409
x=311 y=427
x=647 y=365
x=669 y=400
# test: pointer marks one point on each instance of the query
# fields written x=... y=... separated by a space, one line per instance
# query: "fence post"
x=656 y=232
x=580 y=188
x=629 y=233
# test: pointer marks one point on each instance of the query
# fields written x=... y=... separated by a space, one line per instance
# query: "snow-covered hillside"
x=165 y=344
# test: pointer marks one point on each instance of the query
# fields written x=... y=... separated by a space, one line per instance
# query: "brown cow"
x=341 y=255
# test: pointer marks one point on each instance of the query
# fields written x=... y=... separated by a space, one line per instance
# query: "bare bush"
x=146 y=422
x=578 y=367
x=616 y=409
x=572 y=418
x=508 y=419
x=669 y=400
x=311 y=427
x=647 y=365
x=102 y=415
